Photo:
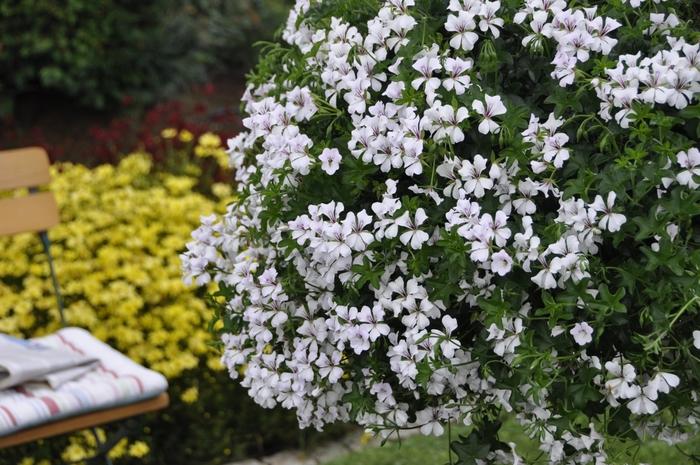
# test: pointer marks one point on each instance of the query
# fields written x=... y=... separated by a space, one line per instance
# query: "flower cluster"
x=576 y=31
x=670 y=77
x=434 y=225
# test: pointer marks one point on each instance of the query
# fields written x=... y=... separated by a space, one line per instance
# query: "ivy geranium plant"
x=450 y=211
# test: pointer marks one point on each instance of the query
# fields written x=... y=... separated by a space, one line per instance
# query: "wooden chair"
x=38 y=212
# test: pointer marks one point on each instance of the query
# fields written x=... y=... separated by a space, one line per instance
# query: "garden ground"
x=415 y=449
x=423 y=450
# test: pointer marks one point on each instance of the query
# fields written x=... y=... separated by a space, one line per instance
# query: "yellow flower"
x=210 y=140
x=190 y=395
x=365 y=438
x=119 y=449
x=74 y=453
x=168 y=133
x=180 y=185
x=138 y=449
x=201 y=151
x=186 y=136
x=214 y=364
x=221 y=158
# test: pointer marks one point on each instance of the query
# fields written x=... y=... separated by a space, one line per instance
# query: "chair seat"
x=83 y=421
x=117 y=382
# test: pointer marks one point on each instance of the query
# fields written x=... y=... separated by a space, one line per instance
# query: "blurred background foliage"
x=102 y=52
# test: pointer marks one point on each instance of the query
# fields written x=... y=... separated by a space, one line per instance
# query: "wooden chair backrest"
x=37 y=211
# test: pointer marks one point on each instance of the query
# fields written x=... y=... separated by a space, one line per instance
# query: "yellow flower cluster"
x=83 y=446
x=116 y=252
x=187 y=153
x=210 y=146
x=171 y=133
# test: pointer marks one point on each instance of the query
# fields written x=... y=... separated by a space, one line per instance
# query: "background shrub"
x=104 y=51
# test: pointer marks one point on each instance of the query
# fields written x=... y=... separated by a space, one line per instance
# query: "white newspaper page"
x=23 y=361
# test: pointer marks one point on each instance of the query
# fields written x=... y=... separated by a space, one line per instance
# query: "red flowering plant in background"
x=126 y=134
x=150 y=131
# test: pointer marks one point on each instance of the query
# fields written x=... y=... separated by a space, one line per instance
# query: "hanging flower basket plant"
x=452 y=210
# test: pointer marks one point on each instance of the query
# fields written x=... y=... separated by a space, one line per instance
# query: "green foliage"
x=224 y=426
x=476 y=446
x=103 y=51
x=419 y=450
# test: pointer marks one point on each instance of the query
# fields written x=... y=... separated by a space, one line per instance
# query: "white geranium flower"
x=472 y=173
x=353 y=228
x=330 y=368
x=492 y=106
x=443 y=339
x=696 y=339
x=444 y=122
x=610 y=220
x=506 y=344
x=429 y=421
x=426 y=66
x=554 y=150
x=545 y=277
x=451 y=121
x=463 y=26
x=690 y=161
x=494 y=228
x=642 y=402
x=479 y=251
x=582 y=333
x=501 y=263
x=620 y=386
x=414 y=235
x=540 y=29
x=458 y=80
x=394 y=90
x=372 y=320
x=330 y=160
x=664 y=382
x=300 y=103
x=489 y=21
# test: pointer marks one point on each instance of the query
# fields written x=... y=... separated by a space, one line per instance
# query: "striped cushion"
x=116 y=381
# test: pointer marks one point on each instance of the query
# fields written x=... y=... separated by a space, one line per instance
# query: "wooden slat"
x=31 y=213
x=27 y=167
x=88 y=420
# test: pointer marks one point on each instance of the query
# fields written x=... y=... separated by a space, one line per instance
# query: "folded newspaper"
x=23 y=361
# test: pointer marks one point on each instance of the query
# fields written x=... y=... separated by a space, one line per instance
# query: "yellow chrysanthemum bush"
x=116 y=255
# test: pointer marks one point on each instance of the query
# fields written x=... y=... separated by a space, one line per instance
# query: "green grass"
x=421 y=450
x=416 y=450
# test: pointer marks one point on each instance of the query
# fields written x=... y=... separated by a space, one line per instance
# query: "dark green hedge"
x=103 y=51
